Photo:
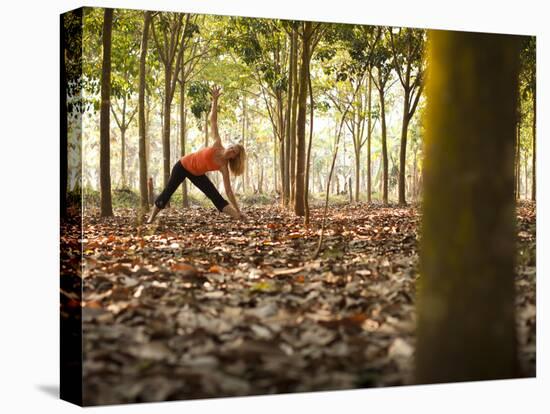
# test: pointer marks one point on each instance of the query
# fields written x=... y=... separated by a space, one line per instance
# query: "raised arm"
x=215 y=92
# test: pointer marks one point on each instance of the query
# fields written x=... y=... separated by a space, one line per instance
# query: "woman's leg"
x=177 y=176
x=204 y=184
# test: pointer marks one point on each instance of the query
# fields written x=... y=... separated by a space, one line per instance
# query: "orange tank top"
x=200 y=162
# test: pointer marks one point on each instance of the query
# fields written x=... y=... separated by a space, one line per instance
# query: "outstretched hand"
x=216 y=92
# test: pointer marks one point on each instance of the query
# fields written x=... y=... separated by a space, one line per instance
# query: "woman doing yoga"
x=194 y=166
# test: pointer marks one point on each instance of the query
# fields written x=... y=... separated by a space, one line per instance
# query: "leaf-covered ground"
x=199 y=306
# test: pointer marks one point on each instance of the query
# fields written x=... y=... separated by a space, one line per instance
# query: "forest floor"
x=198 y=306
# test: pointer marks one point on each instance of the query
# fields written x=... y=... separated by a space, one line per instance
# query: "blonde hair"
x=237 y=164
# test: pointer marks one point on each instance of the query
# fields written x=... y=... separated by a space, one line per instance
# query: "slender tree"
x=293 y=117
x=104 y=119
x=183 y=131
x=310 y=36
x=143 y=160
x=177 y=29
x=407 y=47
x=127 y=31
x=370 y=127
x=466 y=324
x=299 y=207
x=382 y=64
x=126 y=118
x=360 y=42
x=290 y=129
x=264 y=47
x=308 y=159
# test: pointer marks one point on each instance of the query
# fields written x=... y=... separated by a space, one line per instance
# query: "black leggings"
x=179 y=173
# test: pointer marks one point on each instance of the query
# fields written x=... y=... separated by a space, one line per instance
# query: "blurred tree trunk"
x=143 y=153
x=466 y=323
x=533 y=168
x=104 y=117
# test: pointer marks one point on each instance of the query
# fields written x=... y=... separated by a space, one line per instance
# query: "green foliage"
x=127 y=26
x=382 y=58
x=528 y=66
x=72 y=41
x=408 y=46
x=260 y=44
x=199 y=92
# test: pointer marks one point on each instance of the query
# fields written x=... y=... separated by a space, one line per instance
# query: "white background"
x=29 y=142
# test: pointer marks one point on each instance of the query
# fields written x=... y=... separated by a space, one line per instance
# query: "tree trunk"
x=283 y=157
x=166 y=125
x=384 y=148
x=183 y=133
x=261 y=182
x=151 y=191
x=534 y=162
x=308 y=159
x=275 y=181
x=357 y=173
x=245 y=175
x=104 y=118
x=299 y=207
x=147 y=123
x=403 y=150
x=123 y=158
x=369 y=138
x=143 y=153
x=466 y=323
x=526 y=186
x=293 y=126
x=413 y=190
